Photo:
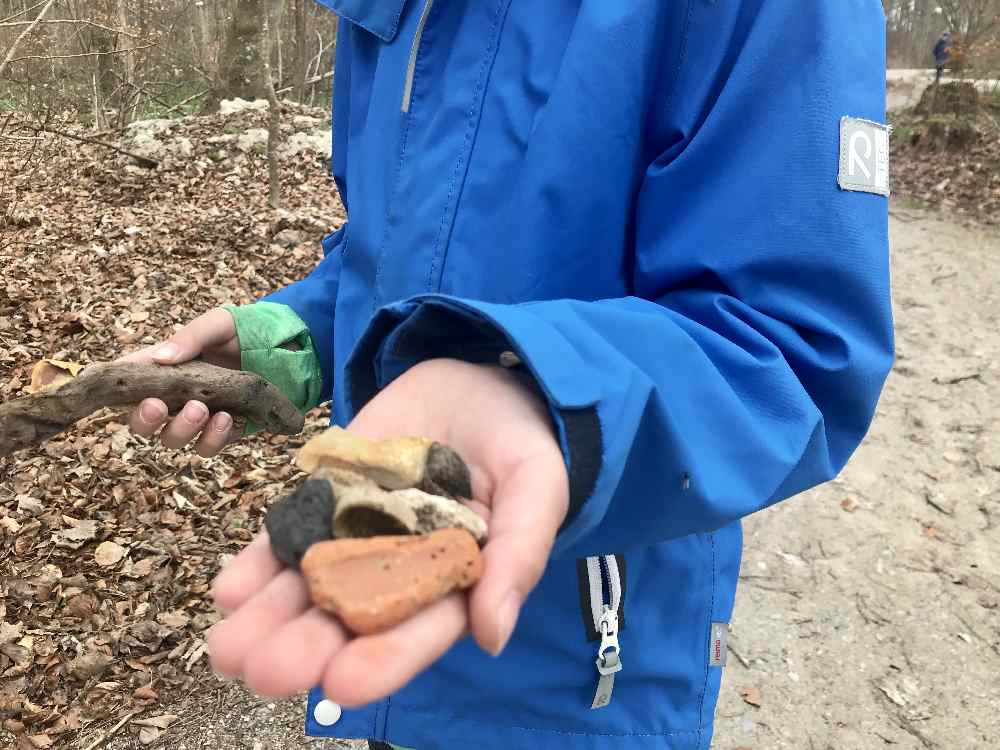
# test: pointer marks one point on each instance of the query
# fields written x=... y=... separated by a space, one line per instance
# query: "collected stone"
x=372 y=584
x=394 y=464
x=367 y=510
x=300 y=520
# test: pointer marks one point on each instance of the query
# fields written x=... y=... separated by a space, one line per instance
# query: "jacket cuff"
x=275 y=344
x=438 y=326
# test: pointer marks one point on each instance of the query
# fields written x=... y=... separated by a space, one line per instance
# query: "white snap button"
x=327 y=713
x=509 y=359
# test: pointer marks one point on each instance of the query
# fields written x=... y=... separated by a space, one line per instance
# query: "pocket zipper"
x=414 y=48
x=603 y=571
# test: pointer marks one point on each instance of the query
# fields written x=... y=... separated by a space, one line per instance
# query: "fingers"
x=528 y=508
x=147 y=418
x=280 y=602
x=293 y=658
x=187 y=424
x=246 y=575
x=370 y=667
x=216 y=435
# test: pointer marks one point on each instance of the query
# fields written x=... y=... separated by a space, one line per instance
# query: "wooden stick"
x=111 y=732
x=146 y=160
x=30 y=420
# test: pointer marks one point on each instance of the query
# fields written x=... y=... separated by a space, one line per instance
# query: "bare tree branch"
x=10 y=53
x=313 y=79
x=83 y=54
x=75 y=21
x=22 y=12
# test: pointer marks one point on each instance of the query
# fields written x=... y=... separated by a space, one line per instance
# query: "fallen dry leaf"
x=149 y=735
x=145 y=693
x=75 y=536
x=89 y=665
x=49 y=374
x=751 y=695
x=162 y=721
x=108 y=554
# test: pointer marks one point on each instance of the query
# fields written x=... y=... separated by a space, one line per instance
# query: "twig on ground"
x=146 y=160
x=959 y=379
x=937 y=506
x=111 y=732
x=739 y=656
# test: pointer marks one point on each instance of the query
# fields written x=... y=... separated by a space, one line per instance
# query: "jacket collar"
x=380 y=17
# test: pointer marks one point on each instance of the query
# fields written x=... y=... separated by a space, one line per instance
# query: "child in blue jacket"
x=630 y=260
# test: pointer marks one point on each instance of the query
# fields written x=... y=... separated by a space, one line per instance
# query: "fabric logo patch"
x=717 y=645
x=864 y=156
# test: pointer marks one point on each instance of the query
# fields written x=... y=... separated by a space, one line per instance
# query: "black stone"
x=446 y=473
x=300 y=520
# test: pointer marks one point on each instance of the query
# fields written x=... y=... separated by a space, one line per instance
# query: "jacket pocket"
x=602 y=582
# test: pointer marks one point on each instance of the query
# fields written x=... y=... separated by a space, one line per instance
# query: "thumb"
x=212 y=328
x=528 y=508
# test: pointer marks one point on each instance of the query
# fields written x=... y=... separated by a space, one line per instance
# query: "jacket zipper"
x=603 y=571
x=414 y=48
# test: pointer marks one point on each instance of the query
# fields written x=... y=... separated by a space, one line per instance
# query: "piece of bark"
x=373 y=584
x=32 y=419
x=395 y=463
x=368 y=510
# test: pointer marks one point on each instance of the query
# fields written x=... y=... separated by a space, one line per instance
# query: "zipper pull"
x=608 y=658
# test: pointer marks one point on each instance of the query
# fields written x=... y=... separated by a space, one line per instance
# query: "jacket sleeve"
x=275 y=343
x=313 y=300
x=747 y=364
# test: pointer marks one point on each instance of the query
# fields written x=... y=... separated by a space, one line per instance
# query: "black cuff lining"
x=585 y=442
x=583 y=579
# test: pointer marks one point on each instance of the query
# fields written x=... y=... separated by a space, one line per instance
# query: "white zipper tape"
x=411 y=64
x=605 y=614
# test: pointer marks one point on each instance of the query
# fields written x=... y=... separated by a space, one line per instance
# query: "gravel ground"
x=868 y=615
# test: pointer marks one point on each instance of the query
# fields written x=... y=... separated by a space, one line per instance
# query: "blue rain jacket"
x=638 y=199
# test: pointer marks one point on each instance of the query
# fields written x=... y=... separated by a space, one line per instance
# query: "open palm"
x=279 y=644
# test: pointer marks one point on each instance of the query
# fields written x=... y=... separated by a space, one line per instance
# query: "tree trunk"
x=301 y=51
x=240 y=61
x=274 y=108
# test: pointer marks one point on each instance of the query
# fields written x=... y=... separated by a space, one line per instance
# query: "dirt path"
x=904 y=86
x=876 y=627
x=879 y=627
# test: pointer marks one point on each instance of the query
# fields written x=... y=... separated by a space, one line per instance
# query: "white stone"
x=231 y=106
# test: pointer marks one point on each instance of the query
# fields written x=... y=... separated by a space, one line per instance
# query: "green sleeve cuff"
x=275 y=344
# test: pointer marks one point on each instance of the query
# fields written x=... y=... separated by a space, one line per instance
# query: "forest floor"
x=869 y=615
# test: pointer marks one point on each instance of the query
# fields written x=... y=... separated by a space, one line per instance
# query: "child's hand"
x=279 y=644
x=213 y=337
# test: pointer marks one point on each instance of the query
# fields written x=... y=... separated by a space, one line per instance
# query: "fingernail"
x=223 y=422
x=150 y=413
x=508 y=618
x=167 y=352
x=194 y=412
